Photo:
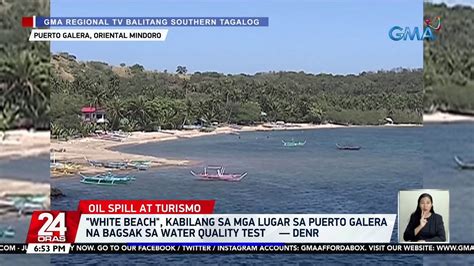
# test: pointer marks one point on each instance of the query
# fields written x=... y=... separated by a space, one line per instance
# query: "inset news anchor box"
x=433 y=205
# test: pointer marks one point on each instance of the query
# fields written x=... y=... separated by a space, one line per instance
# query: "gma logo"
x=398 y=33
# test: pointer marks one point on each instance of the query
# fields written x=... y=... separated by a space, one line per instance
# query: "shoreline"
x=76 y=151
x=440 y=117
x=22 y=143
x=10 y=186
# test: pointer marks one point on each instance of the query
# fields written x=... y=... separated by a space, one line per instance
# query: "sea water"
x=316 y=178
x=441 y=143
x=34 y=169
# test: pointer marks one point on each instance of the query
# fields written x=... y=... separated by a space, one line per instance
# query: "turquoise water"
x=30 y=169
x=316 y=178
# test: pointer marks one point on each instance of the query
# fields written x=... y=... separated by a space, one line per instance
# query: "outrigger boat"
x=64 y=168
x=7 y=233
x=7 y=206
x=463 y=164
x=146 y=162
x=348 y=148
x=106 y=179
x=25 y=208
x=102 y=181
x=140 y=165
x=53 y=166
x=293 y=143
x=94 y=163
x=120 y=134
x=22 y=207
x=23 y=204
x=217 y=173
x=116 y=165
x=32 y=198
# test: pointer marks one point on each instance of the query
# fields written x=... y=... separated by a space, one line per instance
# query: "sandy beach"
x=23 y=143
x=8 y=186
x=17 y=144
x=440 y=117
x=76 y=151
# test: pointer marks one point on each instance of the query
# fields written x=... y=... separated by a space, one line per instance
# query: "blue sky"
x=320 y=36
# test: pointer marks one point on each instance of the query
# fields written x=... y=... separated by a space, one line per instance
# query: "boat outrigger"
x=217 y=173
x=348 y=148
x=94 y=163
x=62 y=167
x=139 y=165
x=7 y=233
x=35 y=198
x=106 y=179
x=21 y=207
x=293 y=143
x=146 y=162
x=462 y=164
x=115 y=165
x=24 y=204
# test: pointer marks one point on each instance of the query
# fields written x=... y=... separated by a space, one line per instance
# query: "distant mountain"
x=137 y=99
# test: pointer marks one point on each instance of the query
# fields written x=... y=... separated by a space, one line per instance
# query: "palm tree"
x=24 y=82
x=25 y=74
x=181 y=70
x=96 y=94
x=141 y=111
x=8 y=116
x=115 y=111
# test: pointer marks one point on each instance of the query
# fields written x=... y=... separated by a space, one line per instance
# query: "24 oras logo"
x=53 y=228
x=430 y=29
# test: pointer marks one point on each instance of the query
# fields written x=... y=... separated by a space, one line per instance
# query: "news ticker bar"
x=237 y=248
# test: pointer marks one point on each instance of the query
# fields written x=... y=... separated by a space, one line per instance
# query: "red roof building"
x=93 y=115
x=88 y=110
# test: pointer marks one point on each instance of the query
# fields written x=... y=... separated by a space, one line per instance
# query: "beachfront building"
x=388 y=121
x=93 y=115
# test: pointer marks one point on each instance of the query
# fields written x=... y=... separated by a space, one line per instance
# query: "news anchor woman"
x=425 y=225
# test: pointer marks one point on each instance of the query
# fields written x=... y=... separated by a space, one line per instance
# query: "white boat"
x=217 y=173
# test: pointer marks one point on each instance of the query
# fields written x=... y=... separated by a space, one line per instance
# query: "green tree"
x=248 y=113
x=181 y=70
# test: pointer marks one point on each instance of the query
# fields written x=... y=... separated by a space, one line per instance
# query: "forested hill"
x=137 y=99
x=449 y=61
